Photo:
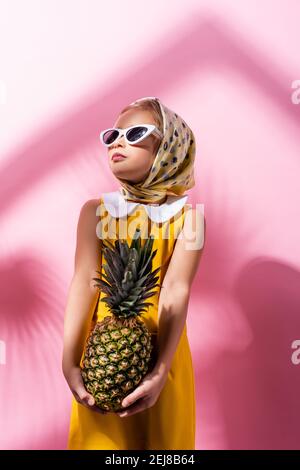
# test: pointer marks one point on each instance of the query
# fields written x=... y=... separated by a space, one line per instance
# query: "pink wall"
x=227 y=67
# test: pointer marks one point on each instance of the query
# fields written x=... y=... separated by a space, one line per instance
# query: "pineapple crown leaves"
x=128 y=278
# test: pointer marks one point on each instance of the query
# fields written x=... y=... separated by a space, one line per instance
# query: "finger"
x=91 y=407
x=84 y=395
x=88 y=401
x=134 y=396
x=136 y=408
x=98 y=410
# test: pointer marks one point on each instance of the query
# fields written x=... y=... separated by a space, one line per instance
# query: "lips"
x=118 y=156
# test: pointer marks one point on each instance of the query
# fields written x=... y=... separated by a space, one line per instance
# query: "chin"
x=127 y=175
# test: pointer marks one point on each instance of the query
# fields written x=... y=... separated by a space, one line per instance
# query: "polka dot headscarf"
x=172 y=171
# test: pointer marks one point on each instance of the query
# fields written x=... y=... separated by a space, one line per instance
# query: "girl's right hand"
x=75 y=382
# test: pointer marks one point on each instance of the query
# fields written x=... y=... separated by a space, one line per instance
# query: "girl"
x=156 y=151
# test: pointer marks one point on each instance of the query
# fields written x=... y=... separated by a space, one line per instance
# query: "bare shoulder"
x=88 y=217
x=89 y=208
x=87 y=255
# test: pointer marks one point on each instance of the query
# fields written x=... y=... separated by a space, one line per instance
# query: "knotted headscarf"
x=172 y=171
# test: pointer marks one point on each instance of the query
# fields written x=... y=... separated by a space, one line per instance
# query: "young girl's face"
x=139 y=157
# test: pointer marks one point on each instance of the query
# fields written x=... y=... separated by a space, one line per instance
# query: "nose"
x=119 y=140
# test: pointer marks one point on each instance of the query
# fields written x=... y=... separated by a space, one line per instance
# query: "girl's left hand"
x=145 y=395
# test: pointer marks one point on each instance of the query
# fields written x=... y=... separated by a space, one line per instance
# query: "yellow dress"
x=170 y=423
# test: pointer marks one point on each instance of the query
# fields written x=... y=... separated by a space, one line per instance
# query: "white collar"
x=118 y=206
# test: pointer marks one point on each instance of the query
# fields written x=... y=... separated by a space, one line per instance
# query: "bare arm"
x=175 y=291
x=82 y=297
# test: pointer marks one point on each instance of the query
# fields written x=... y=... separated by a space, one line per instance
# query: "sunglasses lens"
x=136 y=133
x=110 y=136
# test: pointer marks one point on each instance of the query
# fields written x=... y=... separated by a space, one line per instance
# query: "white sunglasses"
x=132 y=134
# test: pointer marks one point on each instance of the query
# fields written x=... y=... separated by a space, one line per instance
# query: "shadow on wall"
x=33 y=391
x=256 y=388
x=259 y=388
x=200 y=43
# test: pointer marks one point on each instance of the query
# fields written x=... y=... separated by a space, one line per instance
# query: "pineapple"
x=118 y=351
